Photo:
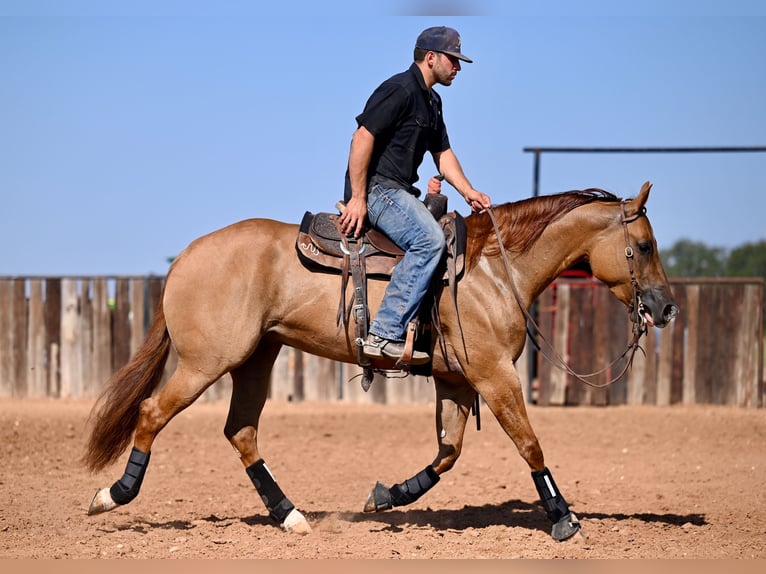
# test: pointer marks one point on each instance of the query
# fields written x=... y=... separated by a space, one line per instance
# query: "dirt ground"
x=646 y=482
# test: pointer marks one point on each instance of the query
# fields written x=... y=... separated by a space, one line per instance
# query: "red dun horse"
x=234 y=297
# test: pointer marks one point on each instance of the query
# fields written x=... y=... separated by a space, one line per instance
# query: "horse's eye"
x=645 y=248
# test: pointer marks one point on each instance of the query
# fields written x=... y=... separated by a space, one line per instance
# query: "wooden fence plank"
x=726 y=305
x=101 y=358
x=601 y=342
x=90 y=348
x=642 y=383
x=121 y=324
x=19 y=337
x=320 y=378
x=748 y=336
x=544 y=316
x=138 y=318
x=665 y=367
x=689 y=318
x=71 y=358
x=53 y=334
x=560 y=343
x=620 y=331
x=36 y=372
x=581 y=352
x=6 y=378
x=677 y=335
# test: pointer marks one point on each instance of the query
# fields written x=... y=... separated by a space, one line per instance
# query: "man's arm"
x=352 y=218
x=449 y=166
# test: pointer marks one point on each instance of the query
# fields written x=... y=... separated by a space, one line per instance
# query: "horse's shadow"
x=511 y=513
x=515 y=513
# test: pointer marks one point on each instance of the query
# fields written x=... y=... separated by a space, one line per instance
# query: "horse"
x=235 y=296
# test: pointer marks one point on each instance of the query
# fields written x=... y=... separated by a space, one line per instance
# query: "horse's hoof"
x=566 y=527
x=296 y=522
x=379 y=499
x=102 y=502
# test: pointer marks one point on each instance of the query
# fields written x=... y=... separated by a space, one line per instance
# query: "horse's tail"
x=115 y=414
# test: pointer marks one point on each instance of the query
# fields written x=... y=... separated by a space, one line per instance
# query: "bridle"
x=635 y=310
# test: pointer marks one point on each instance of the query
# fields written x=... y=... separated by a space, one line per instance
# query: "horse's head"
x=627 y=260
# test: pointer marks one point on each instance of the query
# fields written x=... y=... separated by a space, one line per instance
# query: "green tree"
x=748 y=260
x=687 y=258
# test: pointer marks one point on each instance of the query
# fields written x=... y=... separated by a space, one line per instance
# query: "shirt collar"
x=418 y=76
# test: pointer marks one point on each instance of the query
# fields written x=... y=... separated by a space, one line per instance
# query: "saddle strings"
x=558 y=361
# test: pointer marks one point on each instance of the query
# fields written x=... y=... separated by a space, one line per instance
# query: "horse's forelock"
x=522 y=222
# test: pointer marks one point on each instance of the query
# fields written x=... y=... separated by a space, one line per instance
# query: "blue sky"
x=128 y=129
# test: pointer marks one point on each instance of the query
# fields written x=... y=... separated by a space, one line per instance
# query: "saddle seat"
x=323 y=247
x=322 y=244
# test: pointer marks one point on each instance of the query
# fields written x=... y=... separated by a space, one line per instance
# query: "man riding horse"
x=400 y=122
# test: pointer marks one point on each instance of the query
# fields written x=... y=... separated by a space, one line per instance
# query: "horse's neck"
x=560 y=246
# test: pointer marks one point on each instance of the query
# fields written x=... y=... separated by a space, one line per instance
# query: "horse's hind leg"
x=453 y=403
x=250 y=385
x=181 y=390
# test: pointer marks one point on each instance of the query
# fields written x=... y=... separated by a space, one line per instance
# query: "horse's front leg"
x=453 y=403
x=502 y=393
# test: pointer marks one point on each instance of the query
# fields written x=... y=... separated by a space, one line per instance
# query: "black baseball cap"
x=441 y=39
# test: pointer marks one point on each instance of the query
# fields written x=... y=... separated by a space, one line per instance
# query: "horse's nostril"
x=671 y=312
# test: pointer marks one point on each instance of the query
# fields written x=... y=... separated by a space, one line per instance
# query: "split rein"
x=635 y=312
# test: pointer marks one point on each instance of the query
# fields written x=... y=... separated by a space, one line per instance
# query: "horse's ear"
x=636 y=205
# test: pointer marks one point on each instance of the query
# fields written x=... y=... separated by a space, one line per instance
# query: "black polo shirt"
x=406 y=119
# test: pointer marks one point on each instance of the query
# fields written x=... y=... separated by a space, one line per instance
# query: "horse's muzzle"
x=659 y=307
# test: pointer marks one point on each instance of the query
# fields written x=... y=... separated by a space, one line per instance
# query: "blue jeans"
x=410 y=225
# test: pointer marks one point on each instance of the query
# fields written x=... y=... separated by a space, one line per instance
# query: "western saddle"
x=323 y=247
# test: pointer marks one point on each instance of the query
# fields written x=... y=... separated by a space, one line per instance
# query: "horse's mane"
x=522 y=222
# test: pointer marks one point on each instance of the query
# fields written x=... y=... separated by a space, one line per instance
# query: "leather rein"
x=635 y=311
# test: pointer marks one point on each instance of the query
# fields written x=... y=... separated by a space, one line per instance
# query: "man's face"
x=445 y=68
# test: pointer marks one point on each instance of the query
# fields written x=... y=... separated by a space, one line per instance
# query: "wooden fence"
x=63 y=337
x=712 y=353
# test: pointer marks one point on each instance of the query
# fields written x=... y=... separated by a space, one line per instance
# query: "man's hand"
x=477 y=200
x=352 y=218
x=435 y=184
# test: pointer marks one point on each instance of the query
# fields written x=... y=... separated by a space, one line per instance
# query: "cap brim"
x=460 y=56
